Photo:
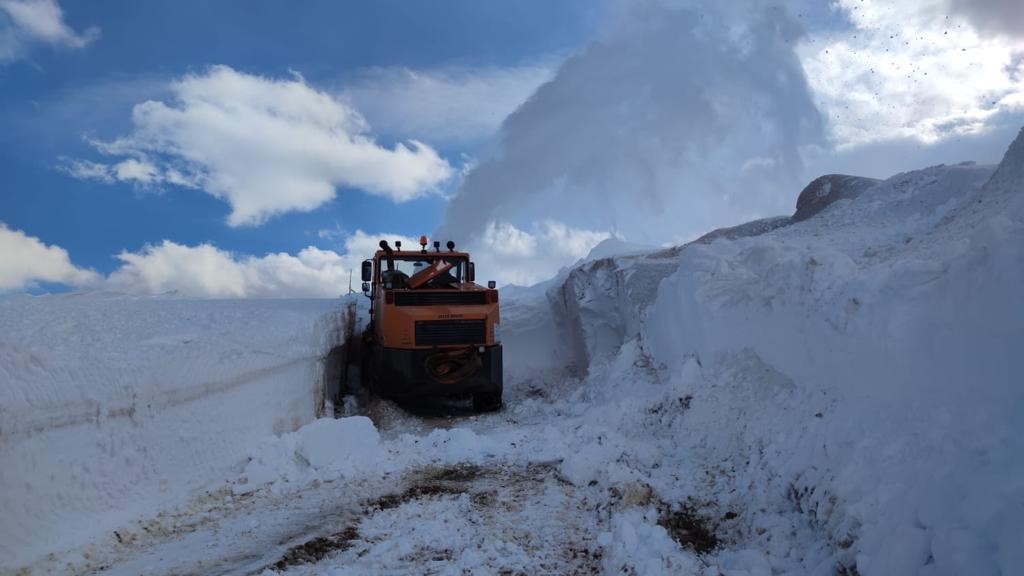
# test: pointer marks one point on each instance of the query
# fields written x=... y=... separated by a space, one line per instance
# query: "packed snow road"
x=495 y=516
x=388 y=492
x=402 y=494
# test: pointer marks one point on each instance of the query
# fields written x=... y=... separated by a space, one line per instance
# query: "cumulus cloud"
x=913 y=70
x=36 y=21
x=26 y=261
x=505 y=254
x=643 y=134
x=205 y=271
x=457 y=105
x=266 y=146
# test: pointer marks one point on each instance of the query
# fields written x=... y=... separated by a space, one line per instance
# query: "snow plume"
x=460 y=105
x=266 y=146
x=913 y=71
x=25 y=260
x=678 y=121
x=26 y=22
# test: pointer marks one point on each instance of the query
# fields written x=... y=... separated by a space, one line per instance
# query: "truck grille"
x=439 y=298
x=443 y=332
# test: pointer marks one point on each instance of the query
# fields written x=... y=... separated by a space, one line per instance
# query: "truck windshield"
x=411 y=265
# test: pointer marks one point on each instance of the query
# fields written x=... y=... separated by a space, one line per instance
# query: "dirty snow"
x=835 y=395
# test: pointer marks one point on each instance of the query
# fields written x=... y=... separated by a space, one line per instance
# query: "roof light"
x=451 y=246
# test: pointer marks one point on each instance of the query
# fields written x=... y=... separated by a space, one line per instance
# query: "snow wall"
x=863 y=366
x=114 y=407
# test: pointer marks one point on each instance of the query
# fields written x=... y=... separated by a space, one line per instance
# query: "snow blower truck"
x=433 y=332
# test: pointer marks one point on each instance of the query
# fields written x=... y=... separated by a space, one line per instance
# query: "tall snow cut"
x=861 y=367
x=112 y=408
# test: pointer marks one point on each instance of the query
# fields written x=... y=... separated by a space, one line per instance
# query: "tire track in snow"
x=500 y=519
x=512 y=518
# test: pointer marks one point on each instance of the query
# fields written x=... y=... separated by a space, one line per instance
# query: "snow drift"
x=859 y=367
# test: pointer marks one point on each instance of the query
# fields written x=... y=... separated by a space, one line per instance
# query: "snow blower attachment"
x=433 y=331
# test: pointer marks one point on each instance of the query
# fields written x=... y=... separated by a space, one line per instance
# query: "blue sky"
x=53 y=97
x=261 y=148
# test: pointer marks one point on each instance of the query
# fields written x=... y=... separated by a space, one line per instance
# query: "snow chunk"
x=637 y=541
x=345 y=445
x=326 y=448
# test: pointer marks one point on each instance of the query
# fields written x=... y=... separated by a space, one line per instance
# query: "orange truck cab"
x=433 y=331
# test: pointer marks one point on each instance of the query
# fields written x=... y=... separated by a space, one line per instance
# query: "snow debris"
x=326 y=448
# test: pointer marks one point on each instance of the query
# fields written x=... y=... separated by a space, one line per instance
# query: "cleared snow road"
x=482 y=494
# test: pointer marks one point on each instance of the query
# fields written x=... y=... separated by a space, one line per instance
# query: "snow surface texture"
x=864 y=365
x=840 y=394
x=113 y=407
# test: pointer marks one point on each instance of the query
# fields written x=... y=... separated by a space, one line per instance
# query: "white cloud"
x=140 y=172
x=25 y=261
x=205 y=271
x=911 y=70
x=509 y=255
x=265 y=146
x=87 y=170
x=37 y=21
x=506 y=254
x=447 y=104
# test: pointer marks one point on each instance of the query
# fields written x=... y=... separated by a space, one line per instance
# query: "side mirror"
x=367 y=271
x=471 y=272
x=491 y=284
x=366 y=288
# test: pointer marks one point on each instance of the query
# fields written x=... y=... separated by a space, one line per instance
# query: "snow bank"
x=112 y=407
x=861 y=368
